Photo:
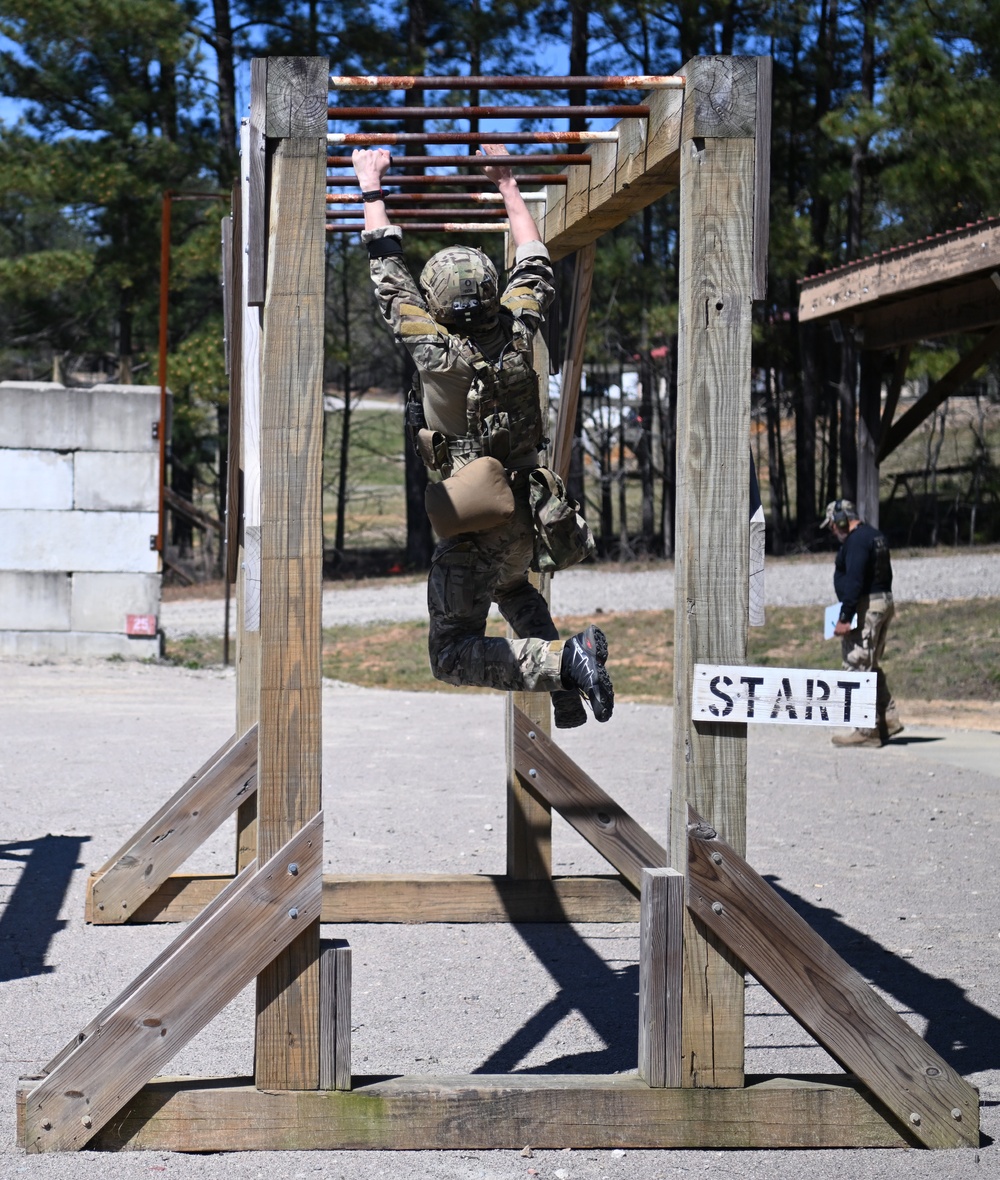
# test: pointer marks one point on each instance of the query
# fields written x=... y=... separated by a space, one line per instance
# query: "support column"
x=247 y=358
x=717 y=198
x=869 y=411
x=291 y=538
x=529 y=821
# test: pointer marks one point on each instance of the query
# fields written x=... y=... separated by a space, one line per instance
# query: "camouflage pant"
x=468 y=574
x=862 y=648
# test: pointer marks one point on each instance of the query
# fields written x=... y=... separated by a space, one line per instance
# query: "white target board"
x=783 y=696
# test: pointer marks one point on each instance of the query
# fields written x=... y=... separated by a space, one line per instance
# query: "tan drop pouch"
x=477 y=497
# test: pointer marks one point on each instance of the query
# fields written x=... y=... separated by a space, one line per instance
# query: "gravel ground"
x=890 y=854
x=788 y=582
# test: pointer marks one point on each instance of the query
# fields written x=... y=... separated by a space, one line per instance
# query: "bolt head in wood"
x=87 y=1121
x=915 y=1119
x=716 y=907
x=293 y=912
x=46 y=1125
x=717 y=858
x=956 y=1113
x=533 y=773
x=293 y=869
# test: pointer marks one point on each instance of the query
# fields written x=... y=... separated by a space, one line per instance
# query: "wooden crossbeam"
x=190 y=984
x=572 y=366
x=624 y=177
x=197 y=920
x=483 y=1111
x=547 y=770
x=424 y=897
x=162 y=845
x=826 y=995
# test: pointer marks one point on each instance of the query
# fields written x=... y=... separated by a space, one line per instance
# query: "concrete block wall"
x=79 y=479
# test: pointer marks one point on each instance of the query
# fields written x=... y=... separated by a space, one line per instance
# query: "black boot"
x=567 y=708
x=583 y=668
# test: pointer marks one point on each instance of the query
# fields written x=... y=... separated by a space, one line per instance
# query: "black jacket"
x=862 y=567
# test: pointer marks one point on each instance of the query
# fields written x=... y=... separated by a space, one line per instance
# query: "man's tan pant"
x=862 y=648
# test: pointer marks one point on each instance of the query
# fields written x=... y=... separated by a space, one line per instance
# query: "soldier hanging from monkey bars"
x=476 y=421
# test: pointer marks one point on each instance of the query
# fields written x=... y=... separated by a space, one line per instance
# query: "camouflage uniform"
x=473 y=570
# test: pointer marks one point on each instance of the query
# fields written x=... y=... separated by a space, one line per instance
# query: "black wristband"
x=374 y=195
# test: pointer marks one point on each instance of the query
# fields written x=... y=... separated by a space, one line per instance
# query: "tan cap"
x=839 y=512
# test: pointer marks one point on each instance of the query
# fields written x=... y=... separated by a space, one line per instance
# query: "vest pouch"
x=476 y=498
x=432 y=447
x=562 y=537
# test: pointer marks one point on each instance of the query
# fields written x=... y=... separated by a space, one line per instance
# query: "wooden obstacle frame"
x=703 y=921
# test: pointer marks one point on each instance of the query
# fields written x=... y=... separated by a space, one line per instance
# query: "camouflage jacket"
x=445 y=359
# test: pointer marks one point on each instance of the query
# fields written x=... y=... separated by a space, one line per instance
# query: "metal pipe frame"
x=495 y=215
x=512 y=82
x=630 y=111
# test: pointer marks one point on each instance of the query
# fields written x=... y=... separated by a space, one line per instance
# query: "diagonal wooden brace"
x=826 y=995
x=184 y=822
x=239 y=935
x=548 y=771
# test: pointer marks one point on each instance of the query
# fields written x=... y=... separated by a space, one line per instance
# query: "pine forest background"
x=886 y=129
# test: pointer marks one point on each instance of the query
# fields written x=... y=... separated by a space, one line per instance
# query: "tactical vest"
x=503 y=413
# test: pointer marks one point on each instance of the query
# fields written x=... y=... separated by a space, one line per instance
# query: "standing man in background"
x=862 y=579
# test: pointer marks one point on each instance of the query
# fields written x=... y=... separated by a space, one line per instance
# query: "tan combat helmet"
x=461 y=287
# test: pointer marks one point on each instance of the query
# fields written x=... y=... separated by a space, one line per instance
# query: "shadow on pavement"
x=29 y=919
x=965 y=1035
x=607 y=998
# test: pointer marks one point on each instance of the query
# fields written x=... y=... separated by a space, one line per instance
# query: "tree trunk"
x=419 y=538
x=226 y=67
x=806 y=401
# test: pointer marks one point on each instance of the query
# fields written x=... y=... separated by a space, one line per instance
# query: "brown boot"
x=893 y=725
x=858 y=737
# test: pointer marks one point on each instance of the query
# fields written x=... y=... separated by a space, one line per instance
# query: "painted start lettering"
x=849 y=686
x=752 y=683
x=813 y=688
x=716 y=691
x=785 y=701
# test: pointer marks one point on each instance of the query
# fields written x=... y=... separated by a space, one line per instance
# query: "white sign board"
x=786 y=696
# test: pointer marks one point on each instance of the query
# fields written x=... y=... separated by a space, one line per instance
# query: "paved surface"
x=891 y=854
x=788 y=582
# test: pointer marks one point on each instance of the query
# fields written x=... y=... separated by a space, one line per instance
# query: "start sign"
x=783 y=696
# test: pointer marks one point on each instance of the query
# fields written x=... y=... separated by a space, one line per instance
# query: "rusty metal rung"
x=431 y=198
x=390 y=138
x=343 y=114
x=448 y=227
x=452 y=180
x=540 y=159
x=511 y=82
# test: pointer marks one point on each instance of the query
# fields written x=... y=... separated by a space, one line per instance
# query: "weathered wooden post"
x=291 y=537
x=720 y=175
